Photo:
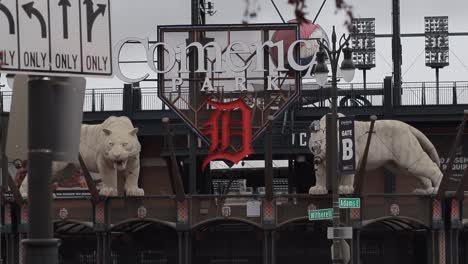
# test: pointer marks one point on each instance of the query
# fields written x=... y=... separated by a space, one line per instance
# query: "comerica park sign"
x=224 y=57
x=225 y=81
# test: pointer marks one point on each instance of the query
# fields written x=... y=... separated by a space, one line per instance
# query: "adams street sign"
x=55 y=37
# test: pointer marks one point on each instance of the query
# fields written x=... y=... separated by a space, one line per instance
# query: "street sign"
x=347 y=147
x=55 y=37
x=345 y=232
x=321 y=214
x=350 y=202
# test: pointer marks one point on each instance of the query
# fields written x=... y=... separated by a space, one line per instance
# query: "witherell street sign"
x=321 y=214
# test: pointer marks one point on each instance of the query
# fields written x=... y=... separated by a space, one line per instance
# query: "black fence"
x=313 y=96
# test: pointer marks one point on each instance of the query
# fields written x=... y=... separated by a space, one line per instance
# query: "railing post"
x=388 y=99
x=423 y=93
x=1 y=102
x=102 y=102
x=437 y=86
x=93 y=99
x=454 y=93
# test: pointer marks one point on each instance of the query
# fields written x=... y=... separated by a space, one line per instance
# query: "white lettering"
x=260 y=54
x=303 y=139
x=240 y=83
x=292 y=61
x=347 y=149
x=175 y=83
x=171 y=56
x=243 y=49
x=272 y=83
x=118 y=47
x=207 y=87
x=201 y=56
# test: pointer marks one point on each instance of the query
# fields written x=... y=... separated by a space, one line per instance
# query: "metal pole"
x=364 y=80
x=318 y=13
x=195 y=6
x=269 y=160
x=277 y=11
x=332 y=145
x=437 y=85
x=396 y=48
x=40 y=247
x=360 y=173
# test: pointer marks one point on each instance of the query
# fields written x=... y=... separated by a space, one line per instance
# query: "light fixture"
x=437 y=45
x=436 y=41
x=363 y=43
x=347 y=66
x=321 y=70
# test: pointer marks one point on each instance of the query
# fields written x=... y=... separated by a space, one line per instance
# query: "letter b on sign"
x=347 y=149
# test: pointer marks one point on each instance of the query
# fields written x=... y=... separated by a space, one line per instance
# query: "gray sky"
x=139 y=18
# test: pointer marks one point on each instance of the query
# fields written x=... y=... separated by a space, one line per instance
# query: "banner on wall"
x=443 y=145
x=347 y=160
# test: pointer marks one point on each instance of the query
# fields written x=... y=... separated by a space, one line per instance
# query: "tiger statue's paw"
x=317 y=189
x=346 y=189
x=108 y=191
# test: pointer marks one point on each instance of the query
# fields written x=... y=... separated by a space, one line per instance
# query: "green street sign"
x=321 y=214
x=350 y=202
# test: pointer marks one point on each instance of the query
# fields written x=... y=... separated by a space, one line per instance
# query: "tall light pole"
x=436 y=45
x=321 y=74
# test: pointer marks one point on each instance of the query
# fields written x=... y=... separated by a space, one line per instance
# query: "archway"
x=224 y=241
x=394 y=240
x=303 y=241
x=143 y=241
x=77 y=242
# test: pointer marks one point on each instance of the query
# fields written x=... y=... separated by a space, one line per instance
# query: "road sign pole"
x=40 y=247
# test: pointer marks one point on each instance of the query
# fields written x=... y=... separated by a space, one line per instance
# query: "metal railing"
x=449 y=93
x=349 y=95
x=100 y=100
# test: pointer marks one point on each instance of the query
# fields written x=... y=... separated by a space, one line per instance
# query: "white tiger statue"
x=106 y=149
x=394 y=143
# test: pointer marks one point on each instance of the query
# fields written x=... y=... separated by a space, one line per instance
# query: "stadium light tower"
x=321 y=74
x=363 y=45
x=437 y=45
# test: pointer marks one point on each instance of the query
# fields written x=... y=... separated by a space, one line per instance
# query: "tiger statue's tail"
x=426 y=144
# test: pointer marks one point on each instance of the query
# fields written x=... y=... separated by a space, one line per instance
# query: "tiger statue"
x=106 y=149
x=393 y=143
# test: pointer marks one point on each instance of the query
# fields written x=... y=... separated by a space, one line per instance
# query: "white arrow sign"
x=55 y=37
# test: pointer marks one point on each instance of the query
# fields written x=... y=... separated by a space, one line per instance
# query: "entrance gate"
x=227 y=242
x=394 y=240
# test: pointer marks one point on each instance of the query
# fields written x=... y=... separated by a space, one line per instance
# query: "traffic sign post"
x=52 y=38
x=56 y=37
x=320 y=214
x=350 y=202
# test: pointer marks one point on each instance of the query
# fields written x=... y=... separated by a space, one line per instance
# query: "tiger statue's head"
x=120 y=145
x=317 y=141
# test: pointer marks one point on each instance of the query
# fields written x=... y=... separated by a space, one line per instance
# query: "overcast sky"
x=139 y=18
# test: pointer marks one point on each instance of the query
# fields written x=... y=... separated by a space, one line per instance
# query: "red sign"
x=225 y=82
x=221 y=144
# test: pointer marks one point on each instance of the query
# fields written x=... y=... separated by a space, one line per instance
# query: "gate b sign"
x=347 y=145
